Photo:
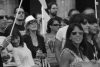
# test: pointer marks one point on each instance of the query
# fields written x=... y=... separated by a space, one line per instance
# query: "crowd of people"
x=68 y=41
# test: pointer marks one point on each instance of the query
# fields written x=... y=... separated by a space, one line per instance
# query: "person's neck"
x=51 y=16
x=19 y=22
x=53 y=32
x=33 y=33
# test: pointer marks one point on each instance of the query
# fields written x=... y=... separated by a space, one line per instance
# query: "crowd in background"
x=67 y=41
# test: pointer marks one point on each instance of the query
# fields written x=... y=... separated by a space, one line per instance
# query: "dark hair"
x=65 y=21
x=17 y=8
x=15 y=34
x=50 y=22
x=70 y=11
x=77 y=18
x=91 y=19
x=70 y=45
x=50 y=5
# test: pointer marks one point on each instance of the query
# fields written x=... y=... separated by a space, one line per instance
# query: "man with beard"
x=19 y=23
x=3 y=19
x=52 y=9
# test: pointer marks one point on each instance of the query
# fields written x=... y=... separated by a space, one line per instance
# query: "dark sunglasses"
x=21 y=12
x=55 y=24
x=1 y=17
x=33 y=21
x=74 y=33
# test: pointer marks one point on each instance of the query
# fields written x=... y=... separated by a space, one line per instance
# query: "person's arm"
x=17 y=58
x=65 y=59
x=58 y=45
x=5 y=43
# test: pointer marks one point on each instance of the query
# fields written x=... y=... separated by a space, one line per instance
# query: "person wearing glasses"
x=52 y=28
x=75 y=46
x=61 y=34
x=93 y=50
x=3 y=21
x=19 y=23
x=33 y=40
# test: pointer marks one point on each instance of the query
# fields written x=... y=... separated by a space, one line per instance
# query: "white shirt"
x=23 y=57
x=61 y=34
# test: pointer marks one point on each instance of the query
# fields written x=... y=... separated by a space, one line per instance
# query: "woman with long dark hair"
x=22 y=55
x=75 y=46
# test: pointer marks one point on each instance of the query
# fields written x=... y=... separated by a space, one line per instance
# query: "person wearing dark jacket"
x=32 y=38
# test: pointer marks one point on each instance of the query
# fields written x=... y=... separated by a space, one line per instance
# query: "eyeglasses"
x=32 y=22
x=74 y=33
x=21 y=12
x=1 y=17
x=55 y=24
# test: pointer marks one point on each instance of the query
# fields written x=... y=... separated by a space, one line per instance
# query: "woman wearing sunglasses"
x=52 y=28
x=33 y=40
x=75 y=46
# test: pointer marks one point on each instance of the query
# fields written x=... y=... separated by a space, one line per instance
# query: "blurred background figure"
x=10 y=20
x=64 y=22
x=39 y=20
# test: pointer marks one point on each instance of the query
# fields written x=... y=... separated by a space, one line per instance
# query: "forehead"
x=76 y=28
x=53 y=5
x=55 y=22
x=20 y=9
x=2 y=12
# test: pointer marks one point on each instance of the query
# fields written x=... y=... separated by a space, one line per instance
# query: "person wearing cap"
x=32 y=38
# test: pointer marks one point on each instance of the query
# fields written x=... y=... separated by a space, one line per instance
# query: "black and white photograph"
x=49 y=33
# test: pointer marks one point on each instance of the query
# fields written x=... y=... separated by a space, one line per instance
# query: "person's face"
x=9 y=21
x=3 y=19
x=16 y=41
x=76 y=35
x=63 y=24
x=85 y=26
x=53 y=9
x=55 y=26
x=93 y=28
x=21 y=14
x=33 y=25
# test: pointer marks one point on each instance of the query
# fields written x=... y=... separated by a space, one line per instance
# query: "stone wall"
x=8 y=6
x=64 y=6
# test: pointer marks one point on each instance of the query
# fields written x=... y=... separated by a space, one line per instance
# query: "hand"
x=6 y=41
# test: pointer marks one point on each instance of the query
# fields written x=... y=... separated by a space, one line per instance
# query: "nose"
x=96 y=25
x=5 y=18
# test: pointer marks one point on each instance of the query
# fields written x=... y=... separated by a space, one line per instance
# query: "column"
x=64 y=6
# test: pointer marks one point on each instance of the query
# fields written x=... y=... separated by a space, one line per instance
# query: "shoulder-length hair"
x=15 y=34
x=70 y=45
